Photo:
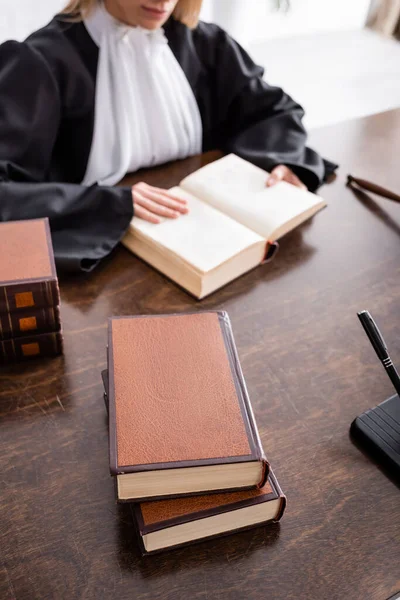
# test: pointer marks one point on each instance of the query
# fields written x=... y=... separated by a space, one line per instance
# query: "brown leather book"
x=28 y=277
x=180 y=421
x=170 y=523
x=33 y=346
x=29 y=322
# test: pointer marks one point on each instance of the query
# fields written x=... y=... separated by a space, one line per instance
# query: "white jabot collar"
x=145 y=110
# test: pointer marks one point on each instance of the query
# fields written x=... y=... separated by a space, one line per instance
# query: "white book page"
x=205 y=238
x=238 y=189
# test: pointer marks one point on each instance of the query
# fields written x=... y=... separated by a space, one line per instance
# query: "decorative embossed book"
x=232 y=226
x=168 y=523
x=28 y=277
x=180 y=418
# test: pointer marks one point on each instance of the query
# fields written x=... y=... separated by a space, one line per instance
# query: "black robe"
x=47 y=99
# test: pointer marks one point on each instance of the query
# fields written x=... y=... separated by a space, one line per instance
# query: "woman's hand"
x=151 y=203
x=283 y=173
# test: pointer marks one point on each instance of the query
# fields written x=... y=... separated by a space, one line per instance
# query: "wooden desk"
x=309 y=370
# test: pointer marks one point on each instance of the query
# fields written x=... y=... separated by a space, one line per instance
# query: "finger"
x=141 y=212
x=157 y=209
x=277 y=174
x=294 y=180
x=168 y=194
x=144 y=186
x=164 y=200
x=300 y=185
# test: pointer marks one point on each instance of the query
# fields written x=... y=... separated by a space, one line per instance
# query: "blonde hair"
x=186 y=11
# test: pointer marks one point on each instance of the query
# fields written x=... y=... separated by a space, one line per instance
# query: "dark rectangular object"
x=378 y=430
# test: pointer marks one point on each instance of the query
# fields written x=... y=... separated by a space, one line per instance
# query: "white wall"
x=18 y=18
x=253 y=20
x=247 y=20
x=339 y=59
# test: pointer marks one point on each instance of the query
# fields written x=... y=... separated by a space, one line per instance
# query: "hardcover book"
x=28 y=277
x=170 y=523
x=232 y=226
x=180 y=420
x=33 y=346
x=29 y=322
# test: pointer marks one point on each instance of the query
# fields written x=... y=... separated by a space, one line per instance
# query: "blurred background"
x=339 y=58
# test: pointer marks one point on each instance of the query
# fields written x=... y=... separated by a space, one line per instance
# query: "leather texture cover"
x=34 y=346
x=29 y=322
x=155 y=516
x=28 y=277
x=177 y=397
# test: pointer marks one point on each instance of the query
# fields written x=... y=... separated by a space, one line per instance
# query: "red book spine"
x=29 y=322
x=28 y=295
x=34 y=346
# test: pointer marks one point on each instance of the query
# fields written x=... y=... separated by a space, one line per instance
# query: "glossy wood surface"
x=310 y=371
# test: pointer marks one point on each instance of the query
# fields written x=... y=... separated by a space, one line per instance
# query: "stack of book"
x=30 y=324
x=184 y=446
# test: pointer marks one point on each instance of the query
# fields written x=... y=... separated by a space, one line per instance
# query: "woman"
x=109 y=87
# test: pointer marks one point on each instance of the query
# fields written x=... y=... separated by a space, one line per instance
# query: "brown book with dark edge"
x=33 y=346
x=159 y=523
x=180 y=421
x=170 y=523
x=29 y=322
x=28 y=277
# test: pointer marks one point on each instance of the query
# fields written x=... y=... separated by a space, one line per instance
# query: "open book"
x=232 y=221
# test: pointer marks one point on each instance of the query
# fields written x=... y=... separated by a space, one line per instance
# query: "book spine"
x=23 y=296
x=29 y=322
x=243 y=395
x=265 y=471
x=281 y=509
x=275 y=486
x=34 y=346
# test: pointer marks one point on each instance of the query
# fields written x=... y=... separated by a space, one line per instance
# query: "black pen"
x=378 y=343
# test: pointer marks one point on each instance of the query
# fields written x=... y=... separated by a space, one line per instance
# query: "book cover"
x=28 y=277
x=174 y=521
x=29 y=322
x=178 y=399
x=33 y=346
